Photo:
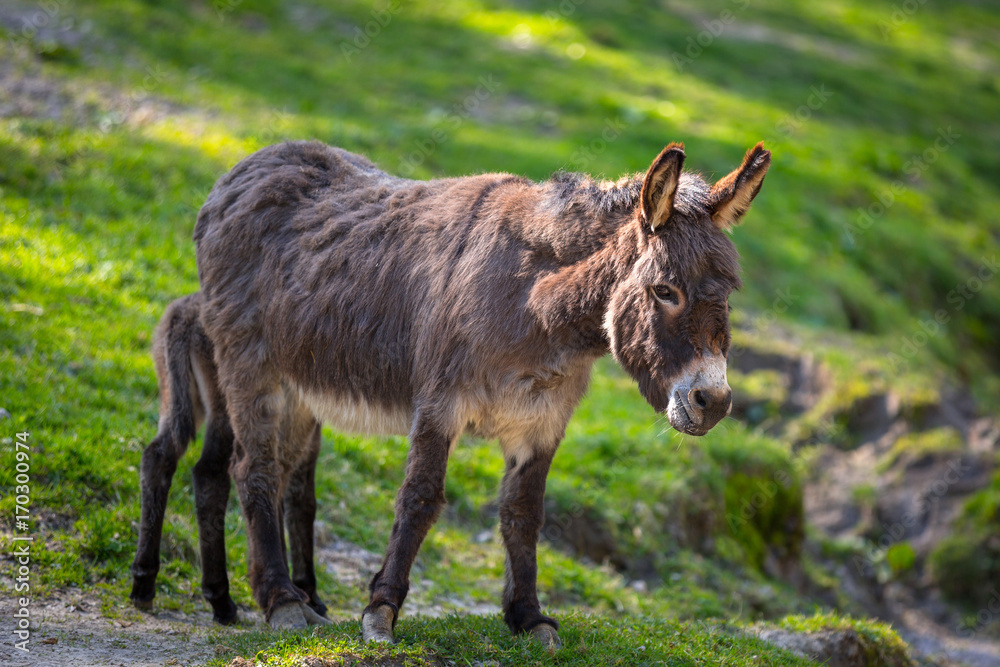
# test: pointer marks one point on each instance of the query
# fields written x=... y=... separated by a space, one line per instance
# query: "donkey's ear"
x=732 y=195
x=660 y=186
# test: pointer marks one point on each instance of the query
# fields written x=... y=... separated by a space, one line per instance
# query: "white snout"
x=701 y=397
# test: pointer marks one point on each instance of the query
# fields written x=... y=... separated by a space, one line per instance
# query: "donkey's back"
x=370 y=293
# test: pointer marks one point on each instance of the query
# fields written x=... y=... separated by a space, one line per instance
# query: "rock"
x=804 y=377
x=984 y=435
x=834 y=648
x=321 y=533
x=920 y=503
x=957 y=408
x=870 y=417
x=638 y=585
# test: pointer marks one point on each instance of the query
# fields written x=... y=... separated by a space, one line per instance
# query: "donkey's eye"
x=665 y=294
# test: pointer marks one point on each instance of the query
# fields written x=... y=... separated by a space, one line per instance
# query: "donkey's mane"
x=602 y=198
x=599 y=198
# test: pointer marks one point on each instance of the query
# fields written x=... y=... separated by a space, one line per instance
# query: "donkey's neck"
x=571 y=301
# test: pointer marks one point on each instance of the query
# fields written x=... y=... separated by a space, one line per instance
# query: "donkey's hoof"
x=312 y=618
x=224 y=611
x=289 y=616
x=376 y=625
x=295 y=616
x=142 y=605
x=226 y=616
x=317 y=606
x=229 y=619
x=547 y=635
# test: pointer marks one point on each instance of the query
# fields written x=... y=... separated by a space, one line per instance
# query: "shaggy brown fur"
x=474 y=304
x=189 y=395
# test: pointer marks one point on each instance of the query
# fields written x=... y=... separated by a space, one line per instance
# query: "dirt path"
x=931 y=639
x=69 y=629
x=81 y=636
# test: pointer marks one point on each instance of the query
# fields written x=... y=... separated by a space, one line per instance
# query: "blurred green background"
x=873 y=247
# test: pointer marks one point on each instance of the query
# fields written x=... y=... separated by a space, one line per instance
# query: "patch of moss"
x=864 y=494
x=961 y=563
x=982 y=510
x=912 y=447
x=763 y=501
x=901 y=557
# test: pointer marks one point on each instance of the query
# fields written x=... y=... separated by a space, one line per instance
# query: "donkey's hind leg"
x=211 y=493
x=181 y=410
x=300 y=515
x=159 y=462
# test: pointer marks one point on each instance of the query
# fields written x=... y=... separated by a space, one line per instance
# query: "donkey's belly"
x=352 y=415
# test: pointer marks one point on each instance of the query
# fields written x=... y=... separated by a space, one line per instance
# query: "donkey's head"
x=668 y=318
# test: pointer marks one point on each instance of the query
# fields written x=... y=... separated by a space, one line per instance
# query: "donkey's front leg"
x=521 y=516
x=418 y=504
x=300 y=517
x=255 y=412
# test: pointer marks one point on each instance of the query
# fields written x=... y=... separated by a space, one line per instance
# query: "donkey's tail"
x=175 y=341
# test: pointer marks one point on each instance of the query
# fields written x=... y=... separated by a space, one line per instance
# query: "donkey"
x=475 y=304
x=190 y=395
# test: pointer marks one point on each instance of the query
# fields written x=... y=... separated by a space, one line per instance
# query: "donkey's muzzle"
x=710 y=405
x=702 y=397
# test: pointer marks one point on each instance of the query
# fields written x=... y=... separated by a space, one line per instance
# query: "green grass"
x=963 y=561
x=97 y=207
x=587 y=640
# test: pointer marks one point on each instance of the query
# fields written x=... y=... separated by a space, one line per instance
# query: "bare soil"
x=69 y=629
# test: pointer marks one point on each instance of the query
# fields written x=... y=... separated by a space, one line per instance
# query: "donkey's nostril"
x=699 y=398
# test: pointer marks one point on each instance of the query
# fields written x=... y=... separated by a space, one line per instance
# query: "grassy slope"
x=97 y=215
